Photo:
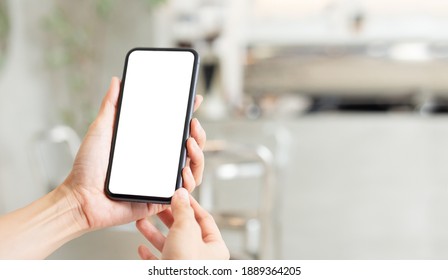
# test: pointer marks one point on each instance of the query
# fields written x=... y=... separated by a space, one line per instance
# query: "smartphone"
x=152 y=124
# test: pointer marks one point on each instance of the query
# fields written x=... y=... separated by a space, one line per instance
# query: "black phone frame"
x=186 y=134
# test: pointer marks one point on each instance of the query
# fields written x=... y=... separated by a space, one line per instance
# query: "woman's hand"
x=193 y=233
x=84 y=186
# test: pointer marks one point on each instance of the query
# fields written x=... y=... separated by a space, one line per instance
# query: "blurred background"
x=326 y=119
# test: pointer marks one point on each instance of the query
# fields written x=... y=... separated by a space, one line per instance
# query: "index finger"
x=209 y=229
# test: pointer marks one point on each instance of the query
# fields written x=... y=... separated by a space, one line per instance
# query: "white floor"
x=357 y=186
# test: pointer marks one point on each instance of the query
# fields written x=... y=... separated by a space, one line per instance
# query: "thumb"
x=109 y=104
x=180 y=206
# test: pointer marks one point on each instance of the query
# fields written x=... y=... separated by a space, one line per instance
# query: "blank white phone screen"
x=151 y=123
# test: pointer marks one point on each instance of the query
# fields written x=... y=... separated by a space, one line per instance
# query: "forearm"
x=37 y=230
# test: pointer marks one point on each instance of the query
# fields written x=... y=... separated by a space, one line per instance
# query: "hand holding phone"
x=152 y=124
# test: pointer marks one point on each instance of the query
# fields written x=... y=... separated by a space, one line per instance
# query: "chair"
x=233 y=163
x=53 y=152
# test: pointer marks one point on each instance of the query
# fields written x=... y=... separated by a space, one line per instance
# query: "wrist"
x=38 y=229
x=71 y=206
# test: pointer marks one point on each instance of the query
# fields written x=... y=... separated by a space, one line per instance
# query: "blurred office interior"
x=326 y=119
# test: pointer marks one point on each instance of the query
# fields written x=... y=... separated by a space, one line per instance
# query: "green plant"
x=4 y=30
x=75 y=38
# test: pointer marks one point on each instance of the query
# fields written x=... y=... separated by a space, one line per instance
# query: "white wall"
x=23 y=105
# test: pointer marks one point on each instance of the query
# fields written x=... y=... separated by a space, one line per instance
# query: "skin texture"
x=79 y=204
x=193 y=233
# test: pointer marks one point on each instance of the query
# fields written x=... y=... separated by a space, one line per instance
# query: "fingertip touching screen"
x=153 y=122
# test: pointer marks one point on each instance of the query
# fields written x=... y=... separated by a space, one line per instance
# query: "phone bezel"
x=188 y=116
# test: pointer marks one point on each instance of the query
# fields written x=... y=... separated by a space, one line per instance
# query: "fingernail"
x=183 y=194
